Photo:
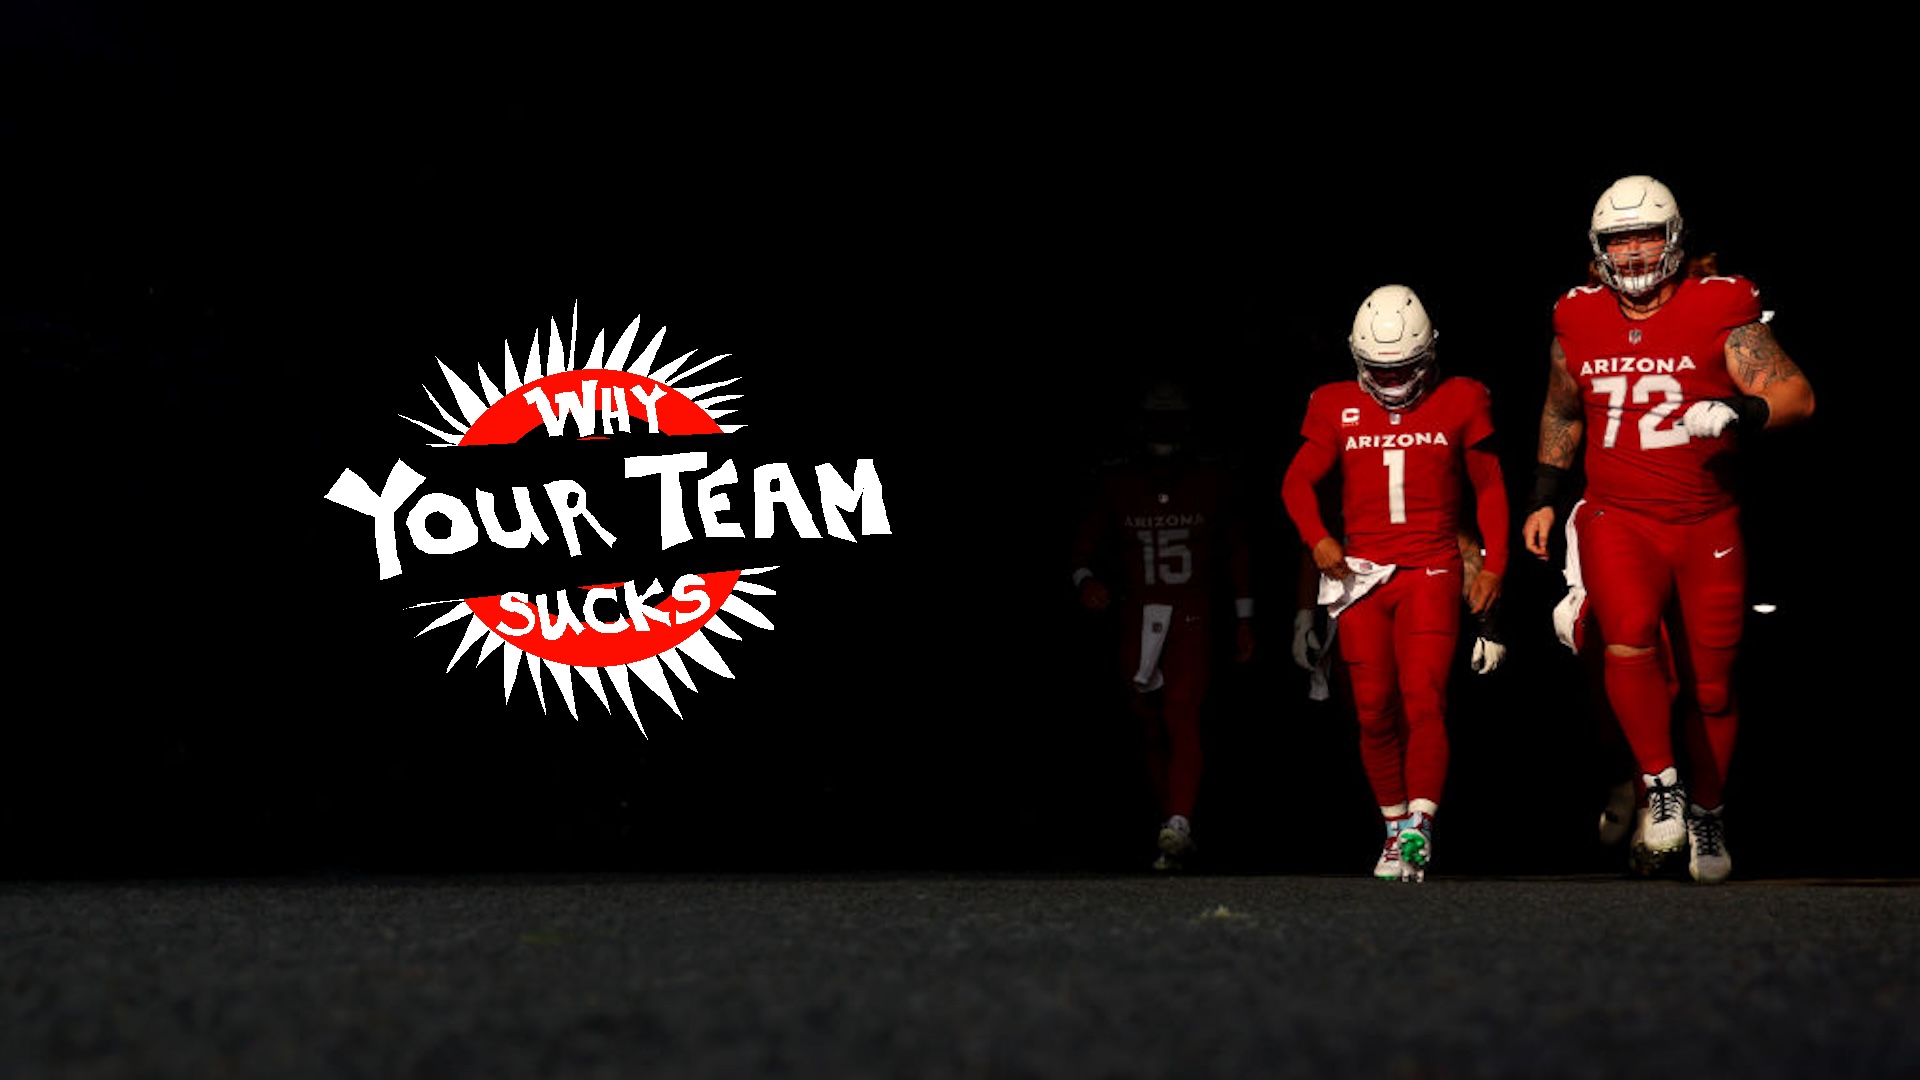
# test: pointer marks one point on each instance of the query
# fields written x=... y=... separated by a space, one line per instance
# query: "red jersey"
x=1175 y=530
x=1403 y=476
x=1637 y=378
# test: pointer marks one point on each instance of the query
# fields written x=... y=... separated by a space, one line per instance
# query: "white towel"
x=1155 y=620
x=1338 y=594
x=1318 y=688
x=1566 y=614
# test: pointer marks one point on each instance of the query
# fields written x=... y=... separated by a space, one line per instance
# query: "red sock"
x=1637 y=687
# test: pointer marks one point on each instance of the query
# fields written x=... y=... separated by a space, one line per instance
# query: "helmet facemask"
x=1166 y=420
x=1397 y=386
x=1636 y=204
x=1640 y=271
x=1166 y=439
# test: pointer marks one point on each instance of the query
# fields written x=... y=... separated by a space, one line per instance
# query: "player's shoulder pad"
x=1328 y=390
x=1736 y=280
x=1735 y=296
x=1577 y=305
x=1465 y=384
x=1735 y=285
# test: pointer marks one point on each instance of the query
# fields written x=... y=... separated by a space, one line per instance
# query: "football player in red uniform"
x=1407 y=446
x=1166 y=527
x=1574 y=625
x=1660 y=375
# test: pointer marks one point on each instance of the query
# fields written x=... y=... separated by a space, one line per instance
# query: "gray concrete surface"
x=929 y=975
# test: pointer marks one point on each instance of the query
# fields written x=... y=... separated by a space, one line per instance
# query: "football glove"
x=1307 y=643
x=1707 y=419
x=1487 y=655
x=1488 y=648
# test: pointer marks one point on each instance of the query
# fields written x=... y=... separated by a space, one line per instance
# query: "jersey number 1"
x=1396 y=463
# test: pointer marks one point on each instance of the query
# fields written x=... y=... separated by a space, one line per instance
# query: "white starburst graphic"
x=672 y=381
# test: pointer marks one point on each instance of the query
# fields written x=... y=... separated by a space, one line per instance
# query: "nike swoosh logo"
x=1723 y=554
x=1431 y=572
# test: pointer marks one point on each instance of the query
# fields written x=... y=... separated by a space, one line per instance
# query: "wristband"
x=1547 y=483
x=1486 y=624
x=1752 y=412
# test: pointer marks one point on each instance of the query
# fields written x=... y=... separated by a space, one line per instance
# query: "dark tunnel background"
x=230 y=273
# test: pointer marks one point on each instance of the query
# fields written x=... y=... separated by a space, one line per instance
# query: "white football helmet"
x=1631 y=204
x=1166 y=418
x=1165 y=396
x=1393 y=347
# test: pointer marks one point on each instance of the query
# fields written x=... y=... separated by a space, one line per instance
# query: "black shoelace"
x=1706 y=835
x=1664 y=801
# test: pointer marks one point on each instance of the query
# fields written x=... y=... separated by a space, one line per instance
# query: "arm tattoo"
x=1470 y=554
x=1561 y=422
x=1757 y=360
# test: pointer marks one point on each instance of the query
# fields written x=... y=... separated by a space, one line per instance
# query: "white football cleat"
x=1176 y=843
x=1665 y=816
x=1388 y=867
x=1616 y=818
x=1416 y=846
x=1708 y=863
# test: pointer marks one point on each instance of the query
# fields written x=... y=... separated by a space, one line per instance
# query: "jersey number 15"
x=1165 y=555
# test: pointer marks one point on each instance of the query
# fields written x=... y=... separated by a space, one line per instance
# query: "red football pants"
x=1169 y=718
x=1398 y=644
x=1636 y=571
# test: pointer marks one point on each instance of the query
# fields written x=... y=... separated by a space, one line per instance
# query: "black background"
x=238 y=247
